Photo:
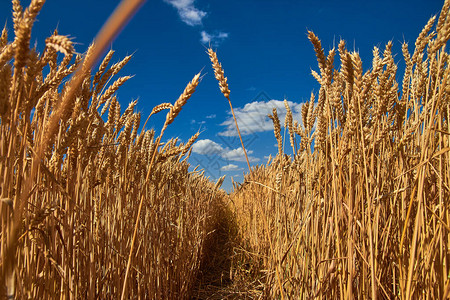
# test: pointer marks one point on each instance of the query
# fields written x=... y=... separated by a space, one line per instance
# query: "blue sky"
x=263 y=48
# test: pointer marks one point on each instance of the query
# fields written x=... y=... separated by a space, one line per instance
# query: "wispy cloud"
x=197 y=122
x=213 y=116
x=230 y=167
x=213 y=39
x=209 y=147
x=193 y=16
x=267 y=158
x=253 y=117
x=187 y=11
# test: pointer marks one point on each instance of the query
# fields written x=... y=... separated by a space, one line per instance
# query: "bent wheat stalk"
x=171 y=115
x=219 y=74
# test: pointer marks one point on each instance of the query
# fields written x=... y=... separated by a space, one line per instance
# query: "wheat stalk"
x=219 y=74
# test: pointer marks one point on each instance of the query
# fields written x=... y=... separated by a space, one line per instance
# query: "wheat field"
x=355 y=204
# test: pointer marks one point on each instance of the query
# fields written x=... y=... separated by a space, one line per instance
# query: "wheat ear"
x=277 y=130
x=219 y=74
x=187 y=93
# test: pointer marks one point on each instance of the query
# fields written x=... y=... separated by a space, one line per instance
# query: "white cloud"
x=193 y=16
x=230 y=167
x=213 y=38
x=253 y=117
x=238 y=155
x=213 y=116
x=187 y=11
x=209 y=147
x=206 y=38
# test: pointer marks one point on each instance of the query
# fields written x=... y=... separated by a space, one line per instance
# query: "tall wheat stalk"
x=219 y=74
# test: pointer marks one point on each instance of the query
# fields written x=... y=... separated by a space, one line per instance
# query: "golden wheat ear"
x=219 y=74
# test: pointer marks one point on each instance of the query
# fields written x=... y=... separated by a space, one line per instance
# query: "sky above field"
x=263 y=48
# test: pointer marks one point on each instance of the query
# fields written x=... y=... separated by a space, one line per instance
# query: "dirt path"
x=215 y=280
